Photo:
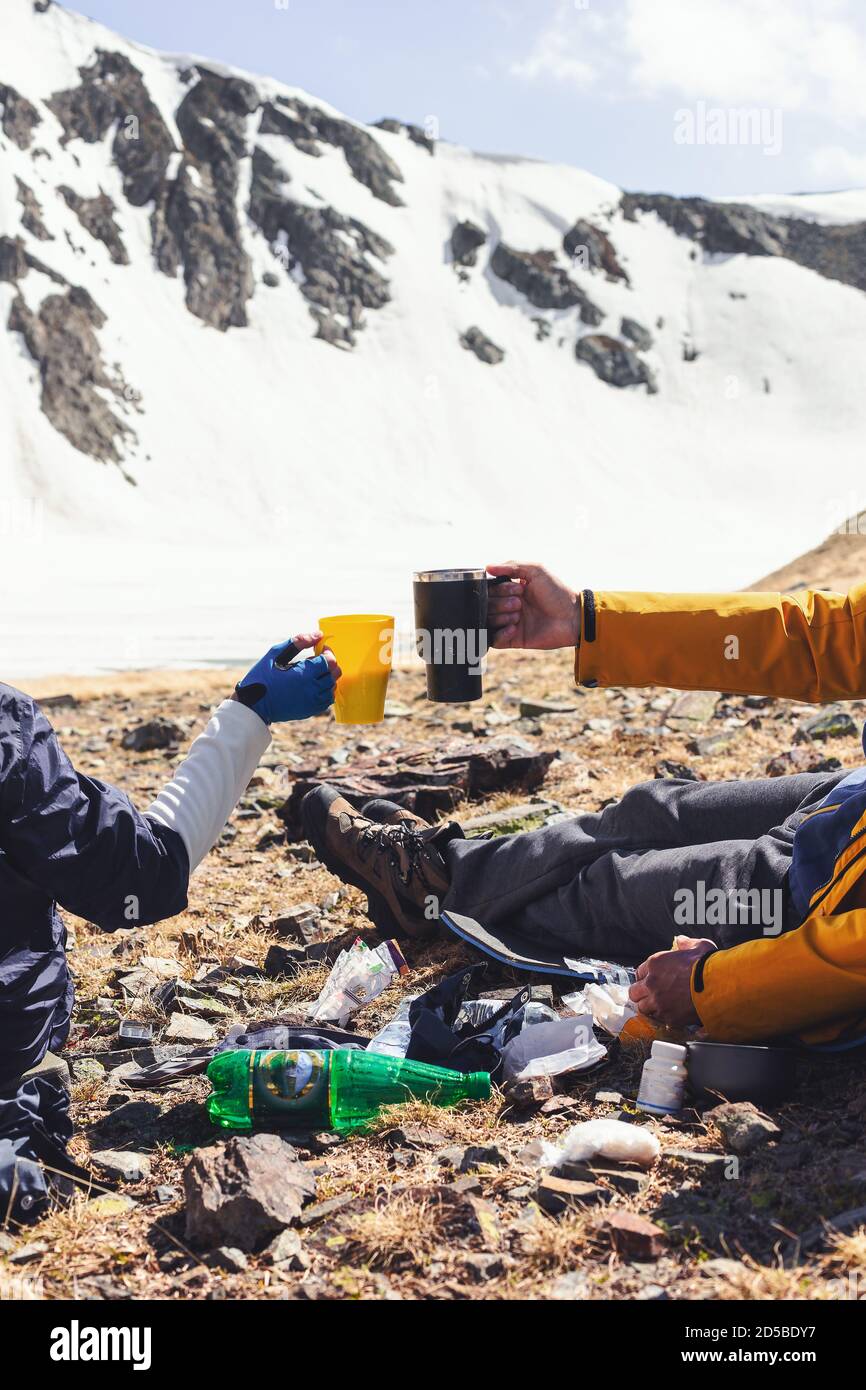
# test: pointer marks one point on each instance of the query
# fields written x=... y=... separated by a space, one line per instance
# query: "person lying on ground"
x=67 y=840
x=618 y=884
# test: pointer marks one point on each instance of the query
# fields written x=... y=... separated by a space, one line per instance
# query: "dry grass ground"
x=399 y=1237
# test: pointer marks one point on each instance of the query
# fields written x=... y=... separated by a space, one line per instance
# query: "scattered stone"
x=510 y=817
x=463 y=1159
x=608 y=1098
x=52 y=1068
x=668 y=767
x=28 y=1254
x=483 y=347
x=415 y=1137
x=713 y=744
x=628 y=1180
x=527 y=1092
x=320 y=1211
x=720 y=1268
x=395 y=710
x=652 y=1293
x=558 y=1105
x=111 y=1204
x=742 y=1126
x=536 y=709
x=800 y=760
x=302 y=923
x=699 y=1158
x=155 y=734
x=245 y=1193
x=691 y=708
x=831 y=723
x=466 y=1186
x=286 y=1251
x=632 y=1236
x=123 y=1164
x=438 y=779
x=480 y=1266
x=229 y=1258
x=87 y=1071
x=185 y=1028
x=165 y=1193
x=574 y=1285
x=615 y=363
x=556 y=1195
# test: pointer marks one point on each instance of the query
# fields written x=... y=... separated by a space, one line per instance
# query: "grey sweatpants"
x=620 y=883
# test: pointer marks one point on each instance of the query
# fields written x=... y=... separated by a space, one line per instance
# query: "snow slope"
x=278 y=477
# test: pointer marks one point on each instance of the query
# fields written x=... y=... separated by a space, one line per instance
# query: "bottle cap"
x=669 y=1052
x=478 y=1083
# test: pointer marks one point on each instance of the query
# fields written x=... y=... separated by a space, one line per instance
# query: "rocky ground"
x=432 y=1204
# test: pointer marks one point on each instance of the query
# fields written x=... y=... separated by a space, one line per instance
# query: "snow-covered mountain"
x=258 y=362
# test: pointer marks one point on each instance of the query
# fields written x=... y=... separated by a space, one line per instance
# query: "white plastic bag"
x=549 y=1049
x=612 y=1139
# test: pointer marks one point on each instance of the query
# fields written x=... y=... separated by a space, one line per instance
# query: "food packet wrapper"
x=613 y=1011
x=358 y=976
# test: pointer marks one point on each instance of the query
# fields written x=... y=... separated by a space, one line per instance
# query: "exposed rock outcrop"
x=31 y=215
x=195 y=222
x=483 y=347
x=838 y=252
x=594 y=248
x=636 y=334
x=331 y=250
x=112 y=91
x=308 y=126
x=417 y=134
x=20 y=117
x=61 y=340
x=614 y=362
x=466 y=239
x=545 y=284
x=14 y=262
x=96 y=216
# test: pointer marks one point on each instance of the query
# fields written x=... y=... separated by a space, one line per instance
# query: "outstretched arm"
x=805 y=646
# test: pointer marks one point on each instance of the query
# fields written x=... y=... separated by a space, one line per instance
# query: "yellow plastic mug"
x=363 y=645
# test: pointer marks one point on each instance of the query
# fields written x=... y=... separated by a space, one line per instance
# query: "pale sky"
x=602 y=84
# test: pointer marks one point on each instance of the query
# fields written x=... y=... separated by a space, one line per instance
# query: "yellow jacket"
x=809 y=646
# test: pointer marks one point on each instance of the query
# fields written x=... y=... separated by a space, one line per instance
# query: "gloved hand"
x=296 y=691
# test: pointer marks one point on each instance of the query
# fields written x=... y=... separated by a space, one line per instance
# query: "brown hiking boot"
x=389 y=813
x=399 y=867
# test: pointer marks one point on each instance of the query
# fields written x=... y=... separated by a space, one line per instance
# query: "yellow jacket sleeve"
x=810 y=982
x=808 y=646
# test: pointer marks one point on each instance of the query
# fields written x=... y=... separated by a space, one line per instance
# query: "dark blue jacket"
x=66 y=840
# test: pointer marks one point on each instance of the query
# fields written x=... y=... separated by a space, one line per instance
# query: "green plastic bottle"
x=341 y=1090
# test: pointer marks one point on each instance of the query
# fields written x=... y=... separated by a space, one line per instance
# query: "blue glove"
x=278 y=691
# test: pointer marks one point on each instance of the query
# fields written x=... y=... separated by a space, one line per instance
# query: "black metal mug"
x=451 y=631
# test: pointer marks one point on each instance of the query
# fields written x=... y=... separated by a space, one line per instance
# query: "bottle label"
x=291 y=1084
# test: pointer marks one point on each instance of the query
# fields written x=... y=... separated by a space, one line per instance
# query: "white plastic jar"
x=663 y=1080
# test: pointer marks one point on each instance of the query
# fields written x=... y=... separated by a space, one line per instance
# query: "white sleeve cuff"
x=213 y=776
